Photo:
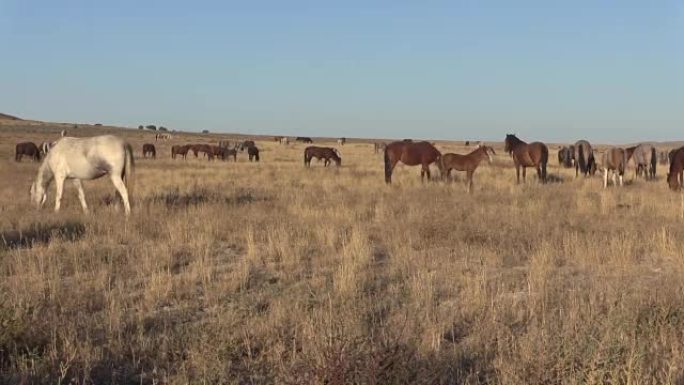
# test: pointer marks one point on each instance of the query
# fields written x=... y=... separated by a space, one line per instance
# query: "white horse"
x=84 y=159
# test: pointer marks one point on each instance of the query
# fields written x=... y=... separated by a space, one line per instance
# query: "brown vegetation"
x=272 y=273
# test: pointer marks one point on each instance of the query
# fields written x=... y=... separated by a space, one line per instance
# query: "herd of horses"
x=90 y=158
x=223 y=151
x=581 y=155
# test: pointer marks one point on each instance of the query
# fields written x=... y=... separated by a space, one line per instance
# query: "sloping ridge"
x=8 y=117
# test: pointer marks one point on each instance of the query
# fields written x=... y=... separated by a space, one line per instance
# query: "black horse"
x=28 y=149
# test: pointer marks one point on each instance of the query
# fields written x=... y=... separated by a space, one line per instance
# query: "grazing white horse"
x=84 y=159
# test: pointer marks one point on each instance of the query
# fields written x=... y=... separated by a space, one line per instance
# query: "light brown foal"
x=467 y=163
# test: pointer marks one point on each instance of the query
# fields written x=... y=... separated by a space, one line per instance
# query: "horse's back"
x=105 y=152
x=532 y=154
x=413 y=153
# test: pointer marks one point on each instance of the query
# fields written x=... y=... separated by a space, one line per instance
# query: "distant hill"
x=8 y=117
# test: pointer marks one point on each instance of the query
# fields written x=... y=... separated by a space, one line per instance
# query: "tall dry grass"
x=246 y=273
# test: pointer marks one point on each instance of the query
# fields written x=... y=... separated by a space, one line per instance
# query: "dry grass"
x=272 y=273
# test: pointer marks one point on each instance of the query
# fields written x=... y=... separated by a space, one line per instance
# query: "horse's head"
x=38 y=194
x=509 y=142
x=489 y=151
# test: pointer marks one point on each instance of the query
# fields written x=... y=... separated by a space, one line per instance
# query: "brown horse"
x=534 y=154
x=377 y=147
x=205 y=148
x=325 y=153
x=615 y=161
x=28 y=149
x=675 y=178
x=467 y=163
x=584 y=158
x=149 y=149
x=179 y=150
x=410 y=154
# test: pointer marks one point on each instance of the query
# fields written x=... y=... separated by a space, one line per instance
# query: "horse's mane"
x=513 y=141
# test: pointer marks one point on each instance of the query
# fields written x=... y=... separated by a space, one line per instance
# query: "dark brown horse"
x=675 y=178
x=534 y=154
x=410 y=154
x=179 y=150
x=247 y=144
x=670 y=155
x=467 y=163
x=253 y=153
x=28 y=149
x=149 y=149
x=303 y=139
x=325 y=153
x=566 y=156
x=584 y=158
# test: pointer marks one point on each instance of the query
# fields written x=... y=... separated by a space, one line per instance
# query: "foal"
x=467 y=163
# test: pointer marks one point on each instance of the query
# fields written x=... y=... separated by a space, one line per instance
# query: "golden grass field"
x=270 y=273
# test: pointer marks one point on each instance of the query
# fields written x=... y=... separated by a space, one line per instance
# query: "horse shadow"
x=41 y=234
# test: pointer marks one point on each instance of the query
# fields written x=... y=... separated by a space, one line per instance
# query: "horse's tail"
x=654 y=162
x=544 y=160
x=582 y=161
x=388 y=168
x=127 y=172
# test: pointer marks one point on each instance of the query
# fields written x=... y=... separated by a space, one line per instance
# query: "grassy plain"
x=257 y=273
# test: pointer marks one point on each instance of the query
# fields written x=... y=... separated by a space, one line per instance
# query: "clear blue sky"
x=608 y=71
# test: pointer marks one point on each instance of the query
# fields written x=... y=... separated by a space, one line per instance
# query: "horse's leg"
x=620 y=178
x=469 y=180
x=605 y=177
x=524 y=173
x=81 y=194
x=517 y=174
x=59 y=189
x=427 y=170
x=123 y=192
